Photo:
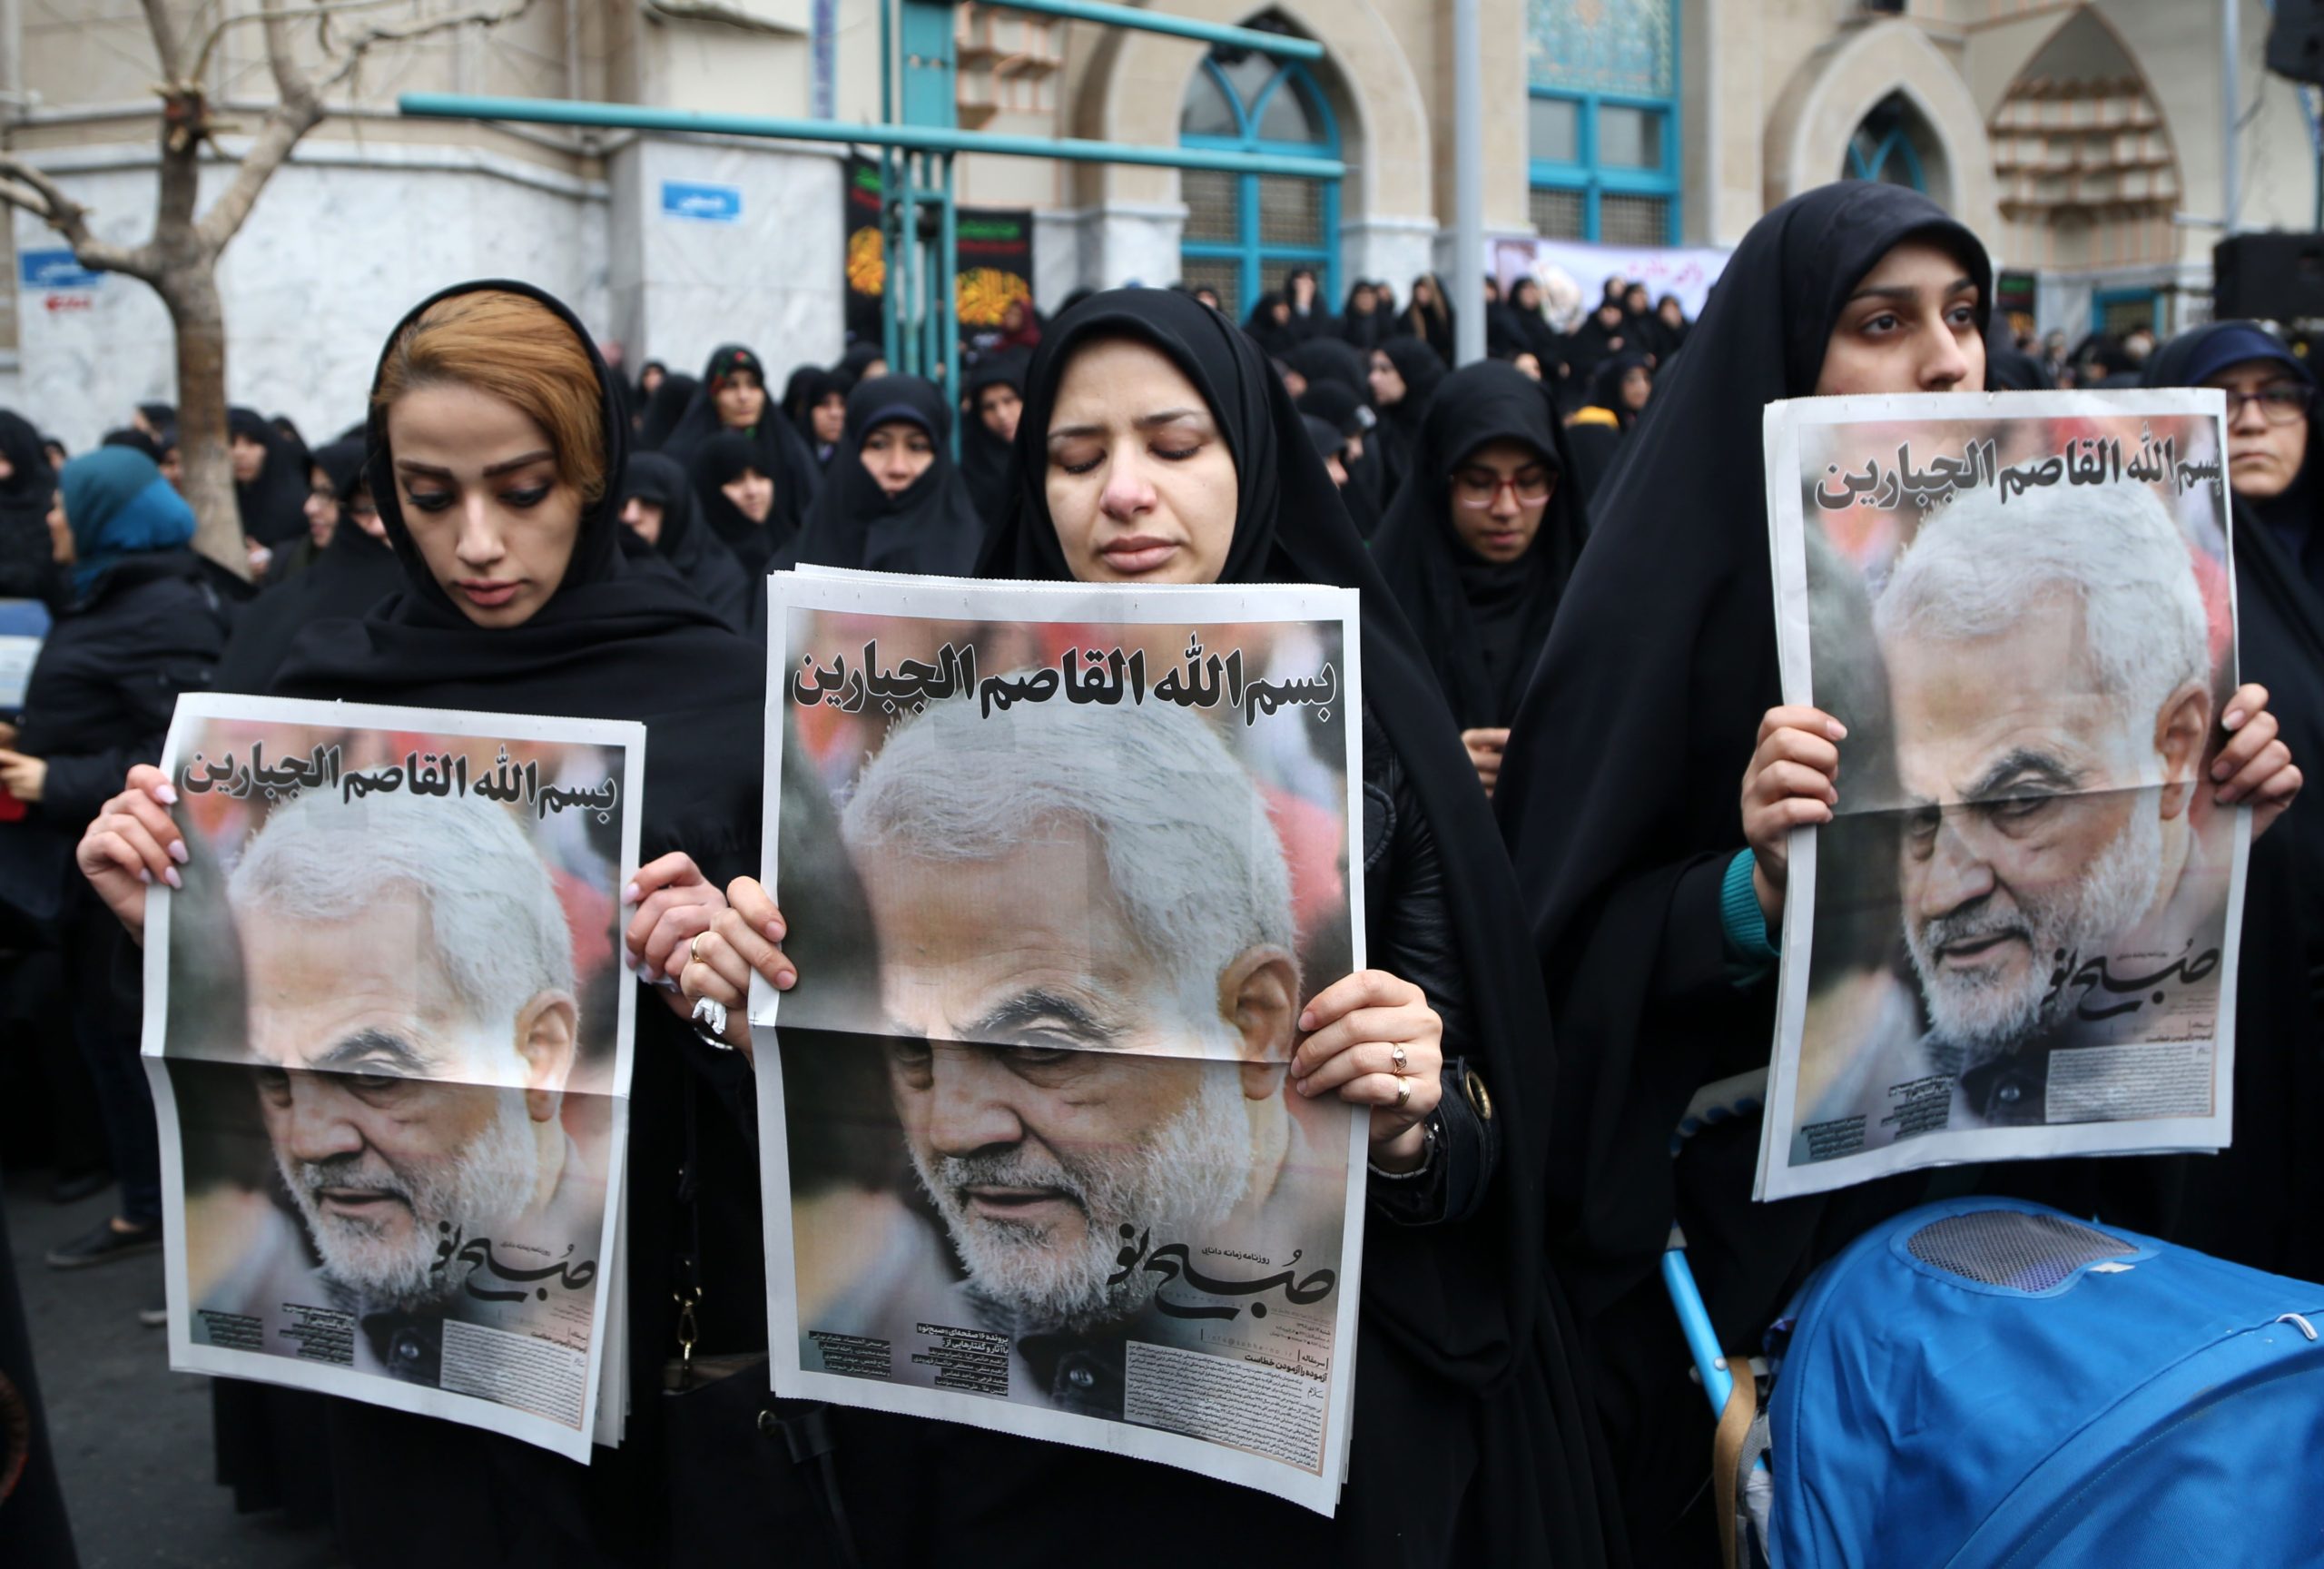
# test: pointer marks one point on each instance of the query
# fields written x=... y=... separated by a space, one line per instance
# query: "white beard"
x=1184 y=1180
x=1989 y=1018
x=488 y=1184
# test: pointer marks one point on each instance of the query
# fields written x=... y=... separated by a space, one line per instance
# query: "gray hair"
x=1190 y=850
x=1976 y=569
x=499 y=931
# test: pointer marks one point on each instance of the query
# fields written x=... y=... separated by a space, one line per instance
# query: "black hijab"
x=931 y=527
x=2260 y=1201
x=755 y=545
x=1422 y=369
x=1664 y=656
x=663 y=410
x=273 y=505
x=821 y=385
x=1432 y=323
x=28 y=569
x=611 y=643
x=685 y=542
x=1482 y=624
x=984 y=457
x=1468 y=1305
x=1363 y=330
x=1347 y=413
x=345 y=578
x=1334 y=361
x=1276 y=337
x=789 y=462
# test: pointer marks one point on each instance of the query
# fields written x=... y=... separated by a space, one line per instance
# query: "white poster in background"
x=1045 y=831
x=2018 y=937
x=389 y=1033
x=1573 y=273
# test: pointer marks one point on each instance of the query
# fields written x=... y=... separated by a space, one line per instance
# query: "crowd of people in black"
x=1573 y=723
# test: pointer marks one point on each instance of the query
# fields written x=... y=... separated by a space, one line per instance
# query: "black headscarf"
x=789 y=461
x=1276 y=337
x=1422 y=368
x=1467 y=1304
x=663 y=410
x=344 y=579
x=28 y=565
x=1664 y=656
x=822 y=385
x=685 y=541
x=1432 y=323
x=755 y=545
x=2261 y=1201
x=1370 y=329
x=984 y=457
x=1351 y=414
x=612 y=643
x=273 y=505
x=1482 y=624
x=1330 y=359
x=932 y=526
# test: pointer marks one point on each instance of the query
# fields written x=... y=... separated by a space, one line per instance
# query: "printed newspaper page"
x=1059 y=865
x=389 y=1031
x=2018 y=938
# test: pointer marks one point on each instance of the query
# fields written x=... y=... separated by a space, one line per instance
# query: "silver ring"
x=1397 y=1057
x=1404 y=1093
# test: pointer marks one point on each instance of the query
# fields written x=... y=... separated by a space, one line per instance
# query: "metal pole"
x=1133 y=19
x=1467 y=272
x=947 y=307
x=917 y=138
x=893 y=242
x=907 y=248
x=2231 y=93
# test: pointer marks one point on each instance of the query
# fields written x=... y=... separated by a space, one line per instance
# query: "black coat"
x=108 y=680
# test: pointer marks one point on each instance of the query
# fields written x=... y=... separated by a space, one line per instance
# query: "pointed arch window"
x=1244 y=231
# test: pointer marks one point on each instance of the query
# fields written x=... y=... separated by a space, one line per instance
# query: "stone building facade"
x=2081 y=138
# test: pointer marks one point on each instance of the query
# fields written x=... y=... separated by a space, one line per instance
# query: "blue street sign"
x=707 y=203
x=55 y=270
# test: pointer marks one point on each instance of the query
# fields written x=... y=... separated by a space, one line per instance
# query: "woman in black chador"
x=1472 y=1440
x=733 y=399
x=2261 y=1200
x=353 y=571
x=1654 y=874
x=270 y=479
x=1404 y=375
x=992 y=398
x=658 y=509
x=517 y=599
x=895 y=500
x=754 y=513
x=1480 y=544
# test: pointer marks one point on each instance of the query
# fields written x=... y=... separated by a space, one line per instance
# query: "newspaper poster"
x=1059 y=866
x=389 y=1031
x=2018 y=936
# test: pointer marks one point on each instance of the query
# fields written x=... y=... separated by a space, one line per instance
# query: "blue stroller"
x=1983 y=1381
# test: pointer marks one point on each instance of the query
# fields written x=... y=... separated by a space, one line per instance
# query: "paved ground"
x=133 y=1438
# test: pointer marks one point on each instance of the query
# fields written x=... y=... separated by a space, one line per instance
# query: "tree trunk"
x=189 y=287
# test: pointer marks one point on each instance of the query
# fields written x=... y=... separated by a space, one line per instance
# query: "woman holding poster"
x=1653 y=882
x=1158 y=448
x=496 y=441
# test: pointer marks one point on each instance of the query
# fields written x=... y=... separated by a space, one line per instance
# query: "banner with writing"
x=389 y=1033
x=2017 y=936
x=1056 y=865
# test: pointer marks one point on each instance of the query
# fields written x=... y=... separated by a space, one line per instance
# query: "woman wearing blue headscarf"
x=144 y=625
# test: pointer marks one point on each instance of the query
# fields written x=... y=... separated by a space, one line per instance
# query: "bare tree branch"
x=165 y=40
x=22 y=185
x=403 y=32
x=271 y=15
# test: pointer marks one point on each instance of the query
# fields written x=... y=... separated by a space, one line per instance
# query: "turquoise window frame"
x=1895 y=144
x=1586 y=176
x=1250 y=253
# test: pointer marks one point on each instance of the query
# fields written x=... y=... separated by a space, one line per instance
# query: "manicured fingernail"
x=169 y=875
x=1307 y=1019
x=776 y=930
x=2235 y=717
x=1837 y=731
x=166 y=795
x=629 y=894
x=143 y=875
x=786 y=980
x=178 y=851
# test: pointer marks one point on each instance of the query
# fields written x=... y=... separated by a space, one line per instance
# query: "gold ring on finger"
x=694 y=948
x=1404 y=1093
x=1397 y=1057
